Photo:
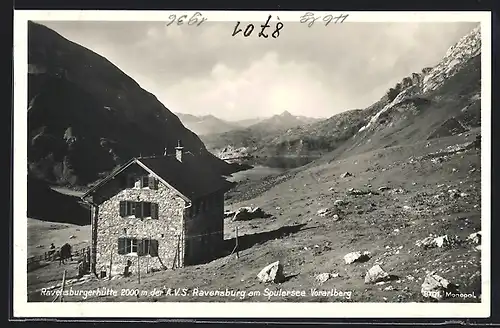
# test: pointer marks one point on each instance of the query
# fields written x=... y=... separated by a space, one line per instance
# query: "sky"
x=313 y=71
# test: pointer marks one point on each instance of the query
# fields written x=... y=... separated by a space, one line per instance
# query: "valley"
x=388 y=180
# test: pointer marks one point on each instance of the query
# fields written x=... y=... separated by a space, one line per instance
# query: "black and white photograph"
x=337 y=162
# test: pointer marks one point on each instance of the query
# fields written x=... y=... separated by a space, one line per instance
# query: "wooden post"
x=237 y=251
x=61 y=299
x=148 y=251
x=178 y=251
x=175 y=263
x=110 y=264
x=175 y=260
x=138 y=269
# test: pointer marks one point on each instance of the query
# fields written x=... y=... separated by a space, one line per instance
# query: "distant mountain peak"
x=285 y=114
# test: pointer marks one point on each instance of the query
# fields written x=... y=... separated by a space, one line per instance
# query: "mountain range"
x=255 y=132
x=85 y=116
x=210 y=125
x=437 y=101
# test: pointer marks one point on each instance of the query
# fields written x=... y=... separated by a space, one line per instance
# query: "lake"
x=281 y=162
x=267 y=166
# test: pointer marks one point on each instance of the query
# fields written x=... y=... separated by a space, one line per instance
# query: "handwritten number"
x=172 y=18
x=193 y=20
x=266 y=25
x=180 y=21
x=327 y=19
x=340 y=18
x=276 y=32
x=248 y=30
x=250 y=27
x=235 y=29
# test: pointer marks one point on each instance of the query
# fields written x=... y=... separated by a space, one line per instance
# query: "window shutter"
x=140 y=247
x=146 y=209
x=154 y=211
x=121 y=246
x=153 y=247
x=151 y=182
x=138 y=209
x=123 y=208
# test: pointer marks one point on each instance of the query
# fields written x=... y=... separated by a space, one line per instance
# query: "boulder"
x=339 y=202
x=475 y=237
x=248 y=213
x=435 y=286
x=323 y=277
x=357 y=192
x=376 y=274
x=333 y=213
x=441 y=241
x=272 y=273
x=345 y=175
x=356 y=257
x=323 y=212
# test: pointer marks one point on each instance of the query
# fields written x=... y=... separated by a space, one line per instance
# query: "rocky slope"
x=440 y=101
x=85 y=116
x=206 y=124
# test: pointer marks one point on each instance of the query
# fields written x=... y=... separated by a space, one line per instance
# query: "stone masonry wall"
x=111 y=226
x=204 y=233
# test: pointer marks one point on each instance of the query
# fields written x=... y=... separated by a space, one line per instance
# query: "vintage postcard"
x=252 y=164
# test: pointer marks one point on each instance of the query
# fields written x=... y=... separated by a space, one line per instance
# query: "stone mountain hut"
x=155 y=213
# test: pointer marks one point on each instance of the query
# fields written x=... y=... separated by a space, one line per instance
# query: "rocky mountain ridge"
x=431 y=78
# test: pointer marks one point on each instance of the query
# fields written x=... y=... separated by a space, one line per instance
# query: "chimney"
x=178 y=151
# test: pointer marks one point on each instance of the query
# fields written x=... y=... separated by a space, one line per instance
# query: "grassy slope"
x=308 y=244
x=42 y=233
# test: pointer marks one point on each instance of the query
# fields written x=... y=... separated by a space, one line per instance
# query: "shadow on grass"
x=250 y=240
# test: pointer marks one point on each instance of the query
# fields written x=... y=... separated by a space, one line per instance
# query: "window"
x=132 y=181
x=140 y=247
x=148 y=182
x=138 y=209
x=127 y=246
x=150 y=247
